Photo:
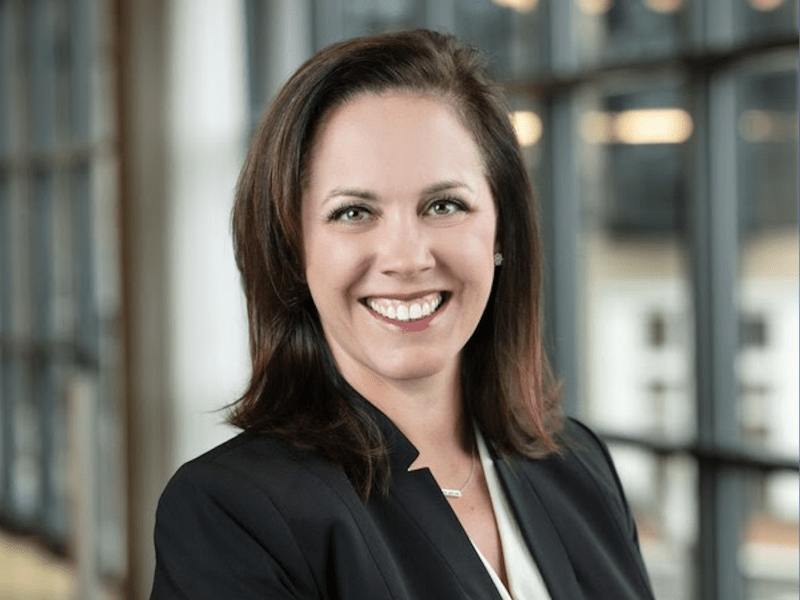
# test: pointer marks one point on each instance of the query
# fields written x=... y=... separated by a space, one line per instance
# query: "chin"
x=416 y=367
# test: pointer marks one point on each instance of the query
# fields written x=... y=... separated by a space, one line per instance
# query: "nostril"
x=405 y=258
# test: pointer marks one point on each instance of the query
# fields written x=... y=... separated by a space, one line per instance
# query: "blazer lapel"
x=418 y=516
x=543 y=540
x=416 y=501
x=417 y=494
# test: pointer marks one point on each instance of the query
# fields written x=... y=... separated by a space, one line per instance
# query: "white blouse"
x=524 y=579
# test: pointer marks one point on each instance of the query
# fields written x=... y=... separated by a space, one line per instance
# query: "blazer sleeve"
x=601 y=467
x=219 y=536
x=605 y=464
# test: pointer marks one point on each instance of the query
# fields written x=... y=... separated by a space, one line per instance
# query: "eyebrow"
x=368 y=195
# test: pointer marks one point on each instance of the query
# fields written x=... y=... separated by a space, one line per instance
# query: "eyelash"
x=338 y=213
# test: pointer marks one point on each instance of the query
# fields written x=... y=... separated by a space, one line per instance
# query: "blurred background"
x=662 y=138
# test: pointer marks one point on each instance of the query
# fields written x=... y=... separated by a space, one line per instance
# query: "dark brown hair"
x=507 y=387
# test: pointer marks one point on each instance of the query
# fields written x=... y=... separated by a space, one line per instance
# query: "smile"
x=406 y=310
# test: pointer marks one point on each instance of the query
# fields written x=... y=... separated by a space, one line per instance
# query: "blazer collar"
x=417 y=490
x=417 y=495
x=528 y=500
x=402 y=453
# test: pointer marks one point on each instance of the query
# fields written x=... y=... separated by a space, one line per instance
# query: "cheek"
x=332 y=268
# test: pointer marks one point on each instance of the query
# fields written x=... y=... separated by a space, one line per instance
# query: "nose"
x=404 y=247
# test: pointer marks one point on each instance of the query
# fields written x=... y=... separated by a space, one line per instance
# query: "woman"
x=402 y=436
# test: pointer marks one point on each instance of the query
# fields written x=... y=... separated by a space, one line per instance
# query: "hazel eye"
x=350 y=214
x=446 y=206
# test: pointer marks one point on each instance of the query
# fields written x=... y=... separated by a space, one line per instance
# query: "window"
x=58 y=264
x=662 y=137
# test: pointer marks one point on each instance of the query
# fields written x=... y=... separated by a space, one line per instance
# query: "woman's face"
x=399 y=236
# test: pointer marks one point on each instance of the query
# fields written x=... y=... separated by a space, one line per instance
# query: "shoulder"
x=254 y=507
x=586 y=455
x=259 y=470
x=580 y=478
x=581 y=442
x=579 y=489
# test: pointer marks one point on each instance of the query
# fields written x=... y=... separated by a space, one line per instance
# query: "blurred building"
x=662 y=136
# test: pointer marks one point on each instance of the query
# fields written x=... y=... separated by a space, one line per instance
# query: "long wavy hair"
x=506 y=384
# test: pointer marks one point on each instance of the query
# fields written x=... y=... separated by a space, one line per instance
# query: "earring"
x=498 y=259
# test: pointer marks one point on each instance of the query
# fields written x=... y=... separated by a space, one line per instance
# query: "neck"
x=429 y=412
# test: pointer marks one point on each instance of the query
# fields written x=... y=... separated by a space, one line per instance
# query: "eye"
x=350 y=214
x=446 y=206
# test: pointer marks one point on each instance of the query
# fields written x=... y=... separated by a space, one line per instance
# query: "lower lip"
x=412 y=326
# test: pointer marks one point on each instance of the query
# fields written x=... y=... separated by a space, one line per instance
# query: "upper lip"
x=406 y=297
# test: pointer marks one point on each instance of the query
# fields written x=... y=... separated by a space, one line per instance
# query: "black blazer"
x=257 y=518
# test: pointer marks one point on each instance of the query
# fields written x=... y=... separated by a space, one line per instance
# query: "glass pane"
x=768 y=191
x=42 y=49
x=760 y=19
x=5 y=75
x=6 y=389
x=628 y=29
x=362 y=17
x=661 y=494
x=636 y=313
x=769 y=555
x=26 y=492
x=511 y=32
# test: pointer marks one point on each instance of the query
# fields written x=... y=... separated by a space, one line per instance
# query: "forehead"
x=416 y=135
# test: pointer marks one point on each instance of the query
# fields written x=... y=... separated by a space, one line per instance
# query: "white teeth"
x=399 y=311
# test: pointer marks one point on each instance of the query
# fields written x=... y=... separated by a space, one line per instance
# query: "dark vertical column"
x=86 y=333
x=42 y=126
x=7 y=437
x=560 y=211
x=561 y=227
x=7 y=431
x=141 y=35
x=257 y=60
x=328 y=22
x=715 y=271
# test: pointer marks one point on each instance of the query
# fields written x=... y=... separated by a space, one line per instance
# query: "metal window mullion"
x=42 y=125
x=6 y=72
x=715 y=244
x=80 y=42
x=719 y=23
x=43 y=368
x=6 y=405
x=255 y=30
x=7 y=430
x=560 y=212
x=562 y=44
x=79 y=190
x=328 y=19
x=560 y=209
x=87 y=334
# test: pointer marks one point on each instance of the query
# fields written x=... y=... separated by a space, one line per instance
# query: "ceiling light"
x=765 y=5
x=594 y=7
x=664 y=6
x=528 y=127
x=653 y=126
x=518 y=5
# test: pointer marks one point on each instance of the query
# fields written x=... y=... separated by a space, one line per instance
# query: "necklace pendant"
x=451 y=493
